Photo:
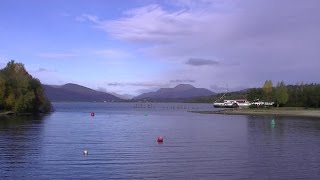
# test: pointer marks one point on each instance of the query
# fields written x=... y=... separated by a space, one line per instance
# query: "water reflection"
x=20 y=142
x=287 y=149
x=122 y=144
x=7 y=122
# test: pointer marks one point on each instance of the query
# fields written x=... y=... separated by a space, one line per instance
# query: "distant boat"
x=262 y=103
x=242 y=103
x=232 y=104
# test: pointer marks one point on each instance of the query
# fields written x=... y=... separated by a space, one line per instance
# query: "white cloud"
x=183 y=33
x=151 y=24
x=265 y=39
x=87 y=17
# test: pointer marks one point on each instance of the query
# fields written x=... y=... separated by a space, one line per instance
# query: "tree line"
x=299 y=95
x=20 y=92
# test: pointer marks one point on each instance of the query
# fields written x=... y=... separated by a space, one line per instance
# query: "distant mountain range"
x=73 y=92
x=122 y=96
x=77 y=93
x=180 y=92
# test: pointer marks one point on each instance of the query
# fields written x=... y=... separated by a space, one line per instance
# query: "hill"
x=74 y=92
x=179 y=93
x=122 y=96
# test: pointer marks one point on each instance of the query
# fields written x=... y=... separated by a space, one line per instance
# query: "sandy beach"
x=296 y=112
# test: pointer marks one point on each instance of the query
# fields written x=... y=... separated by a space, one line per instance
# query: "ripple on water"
x=122 y=145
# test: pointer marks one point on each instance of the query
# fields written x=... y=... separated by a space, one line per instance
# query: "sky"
x=137 y=46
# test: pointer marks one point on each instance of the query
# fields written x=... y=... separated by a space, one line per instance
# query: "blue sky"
x=130 y=47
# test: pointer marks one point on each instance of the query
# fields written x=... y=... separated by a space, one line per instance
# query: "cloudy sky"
x=135 y=46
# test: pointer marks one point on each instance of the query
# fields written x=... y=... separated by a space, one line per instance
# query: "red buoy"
x=92 y=114
x=160 y=139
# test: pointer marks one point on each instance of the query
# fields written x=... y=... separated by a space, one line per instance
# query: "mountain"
x=75 y=92
x=181 y=91
x=122 y=96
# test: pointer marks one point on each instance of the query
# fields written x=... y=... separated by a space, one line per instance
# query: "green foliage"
x=267 y=91
x=299 y=95
x=20 y=92
x=255 y=94
x=10 y=101
x=2 y=91
x=281 y=94
x=25 y=102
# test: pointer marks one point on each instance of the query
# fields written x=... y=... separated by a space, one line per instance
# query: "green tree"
x=25 y=103
x=255 y=94
x=2 y=92
x=20 y=92
x=10 y=101
x=268 y=90
x=281 y=94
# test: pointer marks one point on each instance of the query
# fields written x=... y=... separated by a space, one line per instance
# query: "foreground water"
x=121 y=141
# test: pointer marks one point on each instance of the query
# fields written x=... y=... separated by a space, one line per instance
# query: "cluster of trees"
x=304 y=95
x=300 y=95
x=268 y=93
x=20 y=92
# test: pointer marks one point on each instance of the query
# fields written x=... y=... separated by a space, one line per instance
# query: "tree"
x=2 y=92
x=255 y=94
x=281 y=94
x=268 y=90
x=20 y=92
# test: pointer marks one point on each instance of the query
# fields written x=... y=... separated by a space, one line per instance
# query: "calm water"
x=121 y=140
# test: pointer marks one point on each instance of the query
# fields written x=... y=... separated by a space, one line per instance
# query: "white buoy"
x=85 y=152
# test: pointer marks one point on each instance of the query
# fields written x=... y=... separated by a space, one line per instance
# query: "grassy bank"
x=296 y=112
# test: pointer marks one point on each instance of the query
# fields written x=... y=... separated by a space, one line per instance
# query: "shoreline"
x=7 y=113
x=267 y=112
x=11 y=113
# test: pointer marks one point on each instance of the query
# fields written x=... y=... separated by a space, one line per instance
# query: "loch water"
x=121 y=143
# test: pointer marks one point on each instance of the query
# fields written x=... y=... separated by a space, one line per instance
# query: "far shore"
x=295 y=112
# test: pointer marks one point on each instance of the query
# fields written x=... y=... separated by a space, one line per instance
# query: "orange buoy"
x=160 y=139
